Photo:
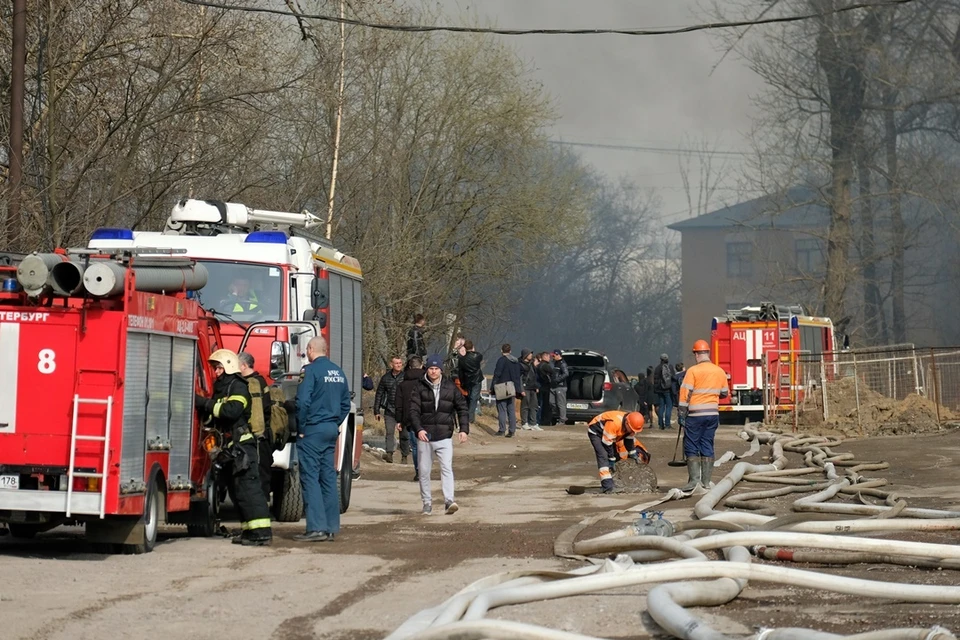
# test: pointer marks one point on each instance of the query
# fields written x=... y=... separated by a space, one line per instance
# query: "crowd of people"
x=427 y=401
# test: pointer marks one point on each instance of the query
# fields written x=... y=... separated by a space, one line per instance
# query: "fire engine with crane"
x=760 y=348
x=102 y=353
x=273 y=284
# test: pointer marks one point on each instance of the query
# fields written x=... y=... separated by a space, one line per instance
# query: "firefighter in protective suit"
x=612 y=436
x=228 y=411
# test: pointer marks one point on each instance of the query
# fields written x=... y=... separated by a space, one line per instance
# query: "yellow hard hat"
x=227 y=359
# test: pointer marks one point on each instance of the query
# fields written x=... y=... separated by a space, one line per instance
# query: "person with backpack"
x=261 y=406
x=663 y=386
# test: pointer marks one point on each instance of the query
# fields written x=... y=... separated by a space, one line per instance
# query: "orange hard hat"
x=700 y=345
x=634 y=420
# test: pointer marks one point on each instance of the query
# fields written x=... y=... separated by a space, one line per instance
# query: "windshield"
x=245 y=292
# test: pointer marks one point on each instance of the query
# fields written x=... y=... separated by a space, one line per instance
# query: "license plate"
x=577 y=405
x=10 y=482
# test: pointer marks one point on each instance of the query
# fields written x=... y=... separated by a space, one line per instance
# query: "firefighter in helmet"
x=228 y=411
x=612 y=435
x=703 y=386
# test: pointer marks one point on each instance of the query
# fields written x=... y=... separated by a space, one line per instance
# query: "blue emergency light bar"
x=111 y=233
x=267 y=237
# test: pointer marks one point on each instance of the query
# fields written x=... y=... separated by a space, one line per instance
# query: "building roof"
x=797 y=207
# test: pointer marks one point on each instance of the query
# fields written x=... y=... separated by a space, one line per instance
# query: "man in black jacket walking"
x=412 y=375
x=470 y=372
x=385 y=400
x=436 y=406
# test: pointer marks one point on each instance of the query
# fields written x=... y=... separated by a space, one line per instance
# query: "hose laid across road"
x=819 y=531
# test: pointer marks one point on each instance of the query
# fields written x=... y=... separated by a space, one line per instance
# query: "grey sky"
x=652 y=91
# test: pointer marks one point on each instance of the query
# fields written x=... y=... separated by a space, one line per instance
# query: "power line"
x=638 y=147
x=418 y=28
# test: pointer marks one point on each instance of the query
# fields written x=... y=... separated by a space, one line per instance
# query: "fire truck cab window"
x=739 y=259
x=245 y=292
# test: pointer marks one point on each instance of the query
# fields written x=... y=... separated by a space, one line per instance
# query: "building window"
x=739 y=259
x=809 y=253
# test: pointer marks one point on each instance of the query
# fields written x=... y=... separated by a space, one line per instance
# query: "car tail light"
x=608 y=386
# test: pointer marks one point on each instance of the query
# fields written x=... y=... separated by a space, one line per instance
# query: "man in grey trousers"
x=436 y=406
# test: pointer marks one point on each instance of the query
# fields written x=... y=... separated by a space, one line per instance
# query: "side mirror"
x=319 y=293
x=309 y=315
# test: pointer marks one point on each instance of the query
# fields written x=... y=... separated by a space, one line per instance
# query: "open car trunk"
x=587 y=375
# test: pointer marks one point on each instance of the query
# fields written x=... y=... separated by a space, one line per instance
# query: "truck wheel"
x=345 y=477
x=205 y=513
x=151 y=523
x=288 y=506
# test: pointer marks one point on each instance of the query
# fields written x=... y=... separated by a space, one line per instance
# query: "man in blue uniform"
x=323 y=401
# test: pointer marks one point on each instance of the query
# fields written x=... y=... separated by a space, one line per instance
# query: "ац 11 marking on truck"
x=770 y=341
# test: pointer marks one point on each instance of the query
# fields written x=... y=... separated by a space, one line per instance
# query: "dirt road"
x=390 y=562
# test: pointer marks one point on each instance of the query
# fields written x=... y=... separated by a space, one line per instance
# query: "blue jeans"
x=416 y=456
x=318 y=478
x=664 y=408
x=473 y=400
x=506 y=413
x=698 y=433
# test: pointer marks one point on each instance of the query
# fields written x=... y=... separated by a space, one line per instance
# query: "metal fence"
x=897 y=389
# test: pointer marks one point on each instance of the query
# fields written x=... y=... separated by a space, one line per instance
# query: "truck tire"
x=151 y=522
x=204 y=514
x=288 y=505
x=345 y=476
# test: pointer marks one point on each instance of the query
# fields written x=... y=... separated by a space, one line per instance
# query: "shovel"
x=675 y=462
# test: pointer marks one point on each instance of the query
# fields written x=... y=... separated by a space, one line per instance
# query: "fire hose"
x=815 y=526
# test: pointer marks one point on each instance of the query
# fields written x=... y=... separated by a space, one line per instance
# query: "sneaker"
x=416 y=477
x=313 y=536
x=525 y=426
x=427 y=510
x=536 y=427
x=451 y=508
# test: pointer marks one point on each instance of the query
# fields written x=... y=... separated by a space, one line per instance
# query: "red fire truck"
x=760 y=348
x=101 y=357
x=273 y=284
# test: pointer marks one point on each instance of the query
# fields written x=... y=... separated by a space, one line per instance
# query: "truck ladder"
x=105 y=439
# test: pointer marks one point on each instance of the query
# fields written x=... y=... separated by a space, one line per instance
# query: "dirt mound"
x=877 y=414
x=630 y=477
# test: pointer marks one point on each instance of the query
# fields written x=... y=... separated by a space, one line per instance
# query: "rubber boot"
x=706 y=470
x=693 y=471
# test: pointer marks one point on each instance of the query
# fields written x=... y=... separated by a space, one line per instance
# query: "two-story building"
x=773 y=248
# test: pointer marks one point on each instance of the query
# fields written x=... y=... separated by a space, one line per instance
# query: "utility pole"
x=336 y=134
x=15 y=158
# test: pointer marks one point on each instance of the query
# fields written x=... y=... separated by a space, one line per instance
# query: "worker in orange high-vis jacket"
x=612 y=436
x=703 y=386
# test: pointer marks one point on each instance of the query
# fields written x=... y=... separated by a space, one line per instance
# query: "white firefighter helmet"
x=227 y=359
